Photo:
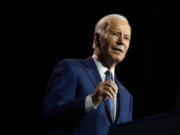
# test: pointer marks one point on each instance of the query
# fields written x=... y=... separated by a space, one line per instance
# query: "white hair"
x=104 y=22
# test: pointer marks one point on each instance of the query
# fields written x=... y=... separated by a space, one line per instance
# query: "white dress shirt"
x=102 y=70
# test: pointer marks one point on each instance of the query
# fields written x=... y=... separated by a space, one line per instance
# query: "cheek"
x=107 y=43
x=127 y=46
x=106 y=46
x=103 y=48
x=111 y=43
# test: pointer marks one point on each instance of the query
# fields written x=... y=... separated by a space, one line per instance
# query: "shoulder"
x=65 y=68
x=72 y=64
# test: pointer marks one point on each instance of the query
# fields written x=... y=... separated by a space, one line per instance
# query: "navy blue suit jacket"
x=64 y=105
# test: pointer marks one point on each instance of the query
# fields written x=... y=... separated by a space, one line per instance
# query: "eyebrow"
x=119 y=32
x=126 y=35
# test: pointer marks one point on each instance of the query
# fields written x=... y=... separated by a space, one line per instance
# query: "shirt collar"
x=102 y=69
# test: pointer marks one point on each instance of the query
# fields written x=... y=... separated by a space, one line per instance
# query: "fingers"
x=104 y=90
x=107 y=93
x=108 y=89
x=112 y=85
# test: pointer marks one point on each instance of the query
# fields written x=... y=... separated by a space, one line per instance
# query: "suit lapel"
x=92 y=71
x=118 y=99
x=95 y=77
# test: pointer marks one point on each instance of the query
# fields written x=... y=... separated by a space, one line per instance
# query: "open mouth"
x=117 y=49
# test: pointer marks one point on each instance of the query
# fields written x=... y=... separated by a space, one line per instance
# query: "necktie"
x=110 y=100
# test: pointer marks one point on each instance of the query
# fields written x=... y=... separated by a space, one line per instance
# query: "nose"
x=120 y=40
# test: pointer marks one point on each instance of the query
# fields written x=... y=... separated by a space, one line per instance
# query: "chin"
x=118 y=59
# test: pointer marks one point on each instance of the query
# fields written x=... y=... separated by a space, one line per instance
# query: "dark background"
x=35 y=35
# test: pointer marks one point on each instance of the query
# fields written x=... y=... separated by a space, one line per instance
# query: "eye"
x=126 y=38
x=114 y=33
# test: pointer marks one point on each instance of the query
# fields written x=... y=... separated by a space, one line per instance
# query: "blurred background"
x=35 y=35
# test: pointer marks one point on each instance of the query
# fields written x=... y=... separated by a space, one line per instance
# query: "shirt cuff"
x=89 y=106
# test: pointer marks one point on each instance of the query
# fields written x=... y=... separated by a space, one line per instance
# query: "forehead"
x=120 y=25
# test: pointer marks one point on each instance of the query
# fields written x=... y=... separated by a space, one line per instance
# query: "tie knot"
x=109 y=75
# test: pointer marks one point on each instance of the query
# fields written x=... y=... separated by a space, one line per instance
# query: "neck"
x=106 y=62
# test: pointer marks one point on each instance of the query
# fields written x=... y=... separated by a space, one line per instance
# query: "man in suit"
x=84 y=96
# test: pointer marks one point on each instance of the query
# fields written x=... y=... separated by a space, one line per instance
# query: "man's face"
x=114 y=41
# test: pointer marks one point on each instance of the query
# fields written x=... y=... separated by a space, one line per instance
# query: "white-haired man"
x=84 y=95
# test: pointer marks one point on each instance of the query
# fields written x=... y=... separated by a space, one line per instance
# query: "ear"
x=96 y=40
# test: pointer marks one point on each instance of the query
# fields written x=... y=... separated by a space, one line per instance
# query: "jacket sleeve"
x=60 y=104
